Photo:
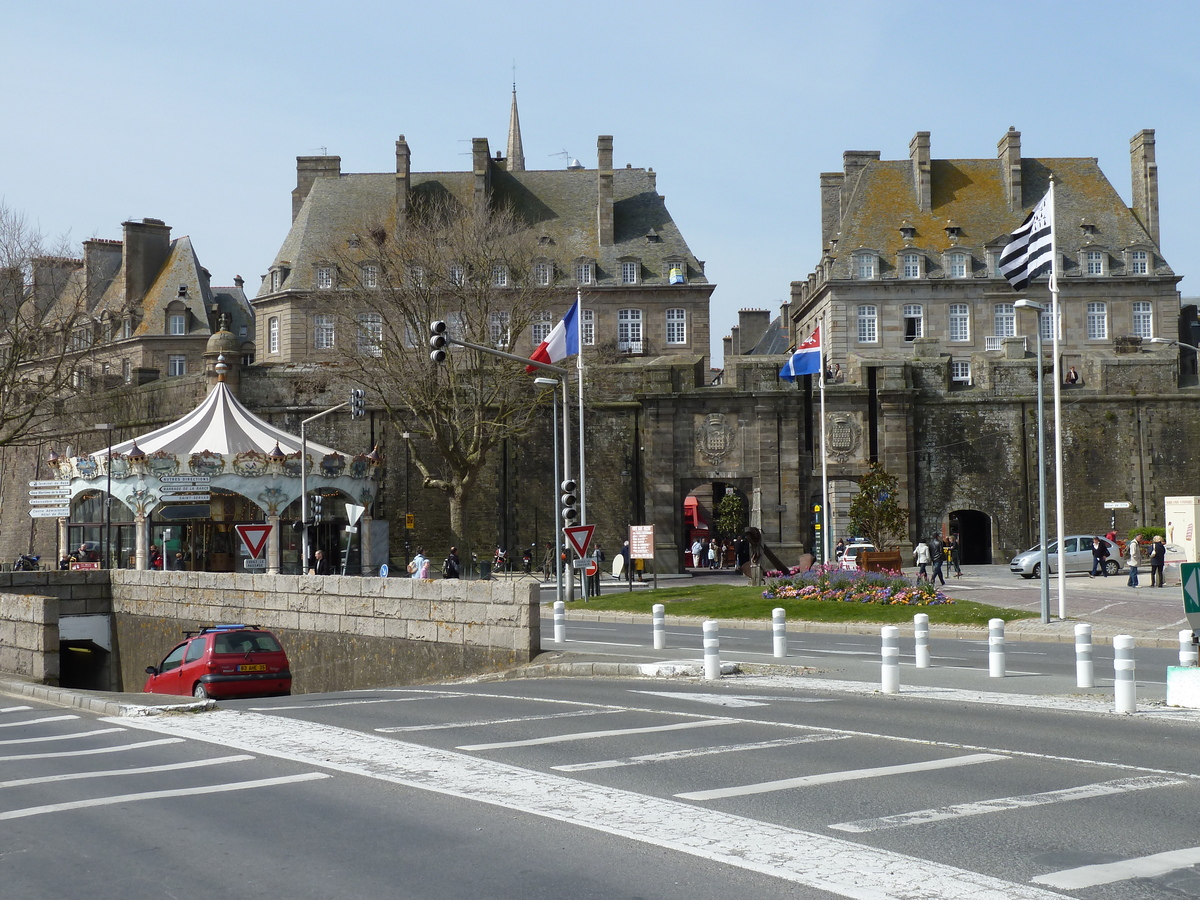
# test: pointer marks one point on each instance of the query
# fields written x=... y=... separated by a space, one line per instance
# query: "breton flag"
x=562 y=342
x=806 y=360
x=1030 y=252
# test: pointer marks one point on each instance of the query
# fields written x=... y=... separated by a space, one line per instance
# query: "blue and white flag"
x=1030 y=252
x=806 y=360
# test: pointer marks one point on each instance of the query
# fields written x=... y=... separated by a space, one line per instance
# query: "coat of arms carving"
x=715 y=438
x=843 y=437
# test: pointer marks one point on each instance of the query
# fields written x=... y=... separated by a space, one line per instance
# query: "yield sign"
x=579 y=536
x=254 y=537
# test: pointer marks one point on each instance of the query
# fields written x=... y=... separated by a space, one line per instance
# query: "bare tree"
x=484 y=273
x=44 y=329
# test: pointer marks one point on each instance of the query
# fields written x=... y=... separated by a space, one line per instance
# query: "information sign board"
x=641 y=542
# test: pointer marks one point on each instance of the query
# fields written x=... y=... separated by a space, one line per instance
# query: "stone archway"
x=699 y=511
x=974 y=530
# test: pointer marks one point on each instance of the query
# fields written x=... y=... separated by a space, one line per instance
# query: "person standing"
x=921 y=558
x=419 y=566
x=450 y=568
x=1158 y=558
x=937 y=554
x=320 y=563
x=713 y=562
x=1099 y=557
x=1135 y=559
x=594 y=579
x=697 y=550
x=954 y=553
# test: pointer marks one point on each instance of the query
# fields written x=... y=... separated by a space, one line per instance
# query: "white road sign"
x=52 y=482
x=184 y=479
x=187 y=498
x=50 y=492
x=1117 y=504
x=50 y=512
x=47 y=501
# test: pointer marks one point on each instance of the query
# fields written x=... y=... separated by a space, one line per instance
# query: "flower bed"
x=836 y=585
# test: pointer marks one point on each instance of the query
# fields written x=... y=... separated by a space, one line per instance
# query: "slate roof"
x=558 y=204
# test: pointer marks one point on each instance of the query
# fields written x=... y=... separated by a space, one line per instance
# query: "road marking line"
x=442 y=726
x=141 y=770
x=600 y=643
x=116 y=749
x=784 y=784
x=835 y=865
x=715 y=699
x=36 y=721
x=592 y=735
x=1106 y=873
x=8 y=709
x=60 y=737
x=961 y=810
x=292 y=707
x=699 y=751
x=159 y=795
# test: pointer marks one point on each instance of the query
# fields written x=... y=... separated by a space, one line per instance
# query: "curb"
x=96 y=701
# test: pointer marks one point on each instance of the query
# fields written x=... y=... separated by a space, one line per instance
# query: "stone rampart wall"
x=29 y=636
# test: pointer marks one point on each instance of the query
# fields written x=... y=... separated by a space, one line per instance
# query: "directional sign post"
x=579 y=537
x=50 y=512
x=1117 y=504
x=184 y=479
x=50 y=483
x=171 y=497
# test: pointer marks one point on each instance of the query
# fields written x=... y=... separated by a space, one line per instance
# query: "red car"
x=223 y=662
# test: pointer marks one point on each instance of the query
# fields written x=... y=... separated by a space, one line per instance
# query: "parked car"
x=850 y=557
x=1028 y=564
x=223 y=661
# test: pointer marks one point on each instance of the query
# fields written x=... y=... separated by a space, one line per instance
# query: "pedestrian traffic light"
x=570 y=499
x=437 y=341
x=314 y=503
x=358 y=403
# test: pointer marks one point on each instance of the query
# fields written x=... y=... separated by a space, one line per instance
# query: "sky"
x=195 y=113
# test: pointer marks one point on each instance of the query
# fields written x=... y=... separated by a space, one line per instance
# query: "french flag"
x=562 y=342
x=806 y=360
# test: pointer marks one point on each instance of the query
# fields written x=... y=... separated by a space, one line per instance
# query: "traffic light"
x=437 y=341
x=358 y=403
x=570 y=499
x=315 y=504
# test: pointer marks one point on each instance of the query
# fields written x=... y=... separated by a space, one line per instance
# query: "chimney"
x=1009 y=153
x=752 y=325
x=481 y=166
x=308 y=170
x=735 y=340
x=604 y=190
x=101 y=263
x=1145 y=181
x=403 y=171
x=727 y=349
x=918 y=152
x=147 y=244
x=238 y=281
x=831 y=205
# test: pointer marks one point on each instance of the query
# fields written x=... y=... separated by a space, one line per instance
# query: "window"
x=629 y=330
x=583 y=272
x=1004 y=320
x=126 y=370
x=498 y=328
x=960 y=322
x=675 y=270
x=911 y=265
x=370 y=276
x=541 y=327
x=629 y=272
x=866 y=267
x=1139 y=262
x=994 y=258
x=324 y=277
x=914 y=321
x=176 y=364
x=127 y=328
x=960 y=371
x=276 y=279
x=1093 y=262
x=370 y=334
x=676 y=326
x=499 y=276
x=587 y=325
x=1143 y=319
x=1046 y=325
x=456 y=274
x=543 y=273
x=323 y=334
x=177 y=323
x=868 y=324
x=273 y=334
x=958 y=265
x=1097 y=321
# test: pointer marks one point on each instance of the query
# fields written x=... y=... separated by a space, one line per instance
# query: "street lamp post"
x=407 y=507
x=1041 y=451
x=552 y=383
x=108 y=426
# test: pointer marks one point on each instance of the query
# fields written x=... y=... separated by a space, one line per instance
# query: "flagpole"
x=824 y=461
x=1058 y=438
x=568 y=574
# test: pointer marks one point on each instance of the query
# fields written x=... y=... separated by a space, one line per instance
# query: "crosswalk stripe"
x=593 y=735
x=961 y=810
x=61 y=737
x=698 y=751
x=305 y=707
x=159 y=795
x=1122 y=870
x=37 y=721
x=140 y=770
x=847 y=775
x=442 y=726
x=10 y=709
x=117 y=749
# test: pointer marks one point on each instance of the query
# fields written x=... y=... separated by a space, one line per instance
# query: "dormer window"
x=1087 y=227
x=630 y=271
x=456 y=274
x=324 y=278
x=1094 y=262
x=499 y=275
x=543 y=273
x=675 y=270
x=953 y=231
x=907 y=231
x=910 y=264
x=866 y=266
x=958 y=265
x=1139 y=262
x=585 y=271
x=177 y=323
x=369 y=275
x=652 y=236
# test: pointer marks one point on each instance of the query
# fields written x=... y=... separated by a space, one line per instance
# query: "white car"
x=849 y=559
x=1079 y=557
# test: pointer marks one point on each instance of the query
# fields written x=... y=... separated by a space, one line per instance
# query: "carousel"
x=175 y=496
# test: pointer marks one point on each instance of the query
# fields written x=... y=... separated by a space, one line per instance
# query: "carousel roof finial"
x=221 y=367
x=136 y=454
x=277 y=454
x=375 y=457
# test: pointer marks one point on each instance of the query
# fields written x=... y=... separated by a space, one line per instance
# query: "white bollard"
x=1124 y=685
x=1085 y=672
x=660 y=626
x=560 y=622
x=779 y=631
x=996 y=648
x=890 y=669
x=712 y=651
x=921 y=634
x=1187 y=649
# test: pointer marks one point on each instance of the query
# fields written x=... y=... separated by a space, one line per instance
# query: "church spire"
x=516 y=153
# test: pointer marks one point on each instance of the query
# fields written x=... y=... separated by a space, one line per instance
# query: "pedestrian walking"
x=594 y=580
x=1134 y=551
x=1158 y=558
x=418 y=567
x=1099 y=557
x=921 y=558
x=320 y=563
x=937 y=554
x=450 y=568
x=954 y=552
x=713 y=562
x=697 y=554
